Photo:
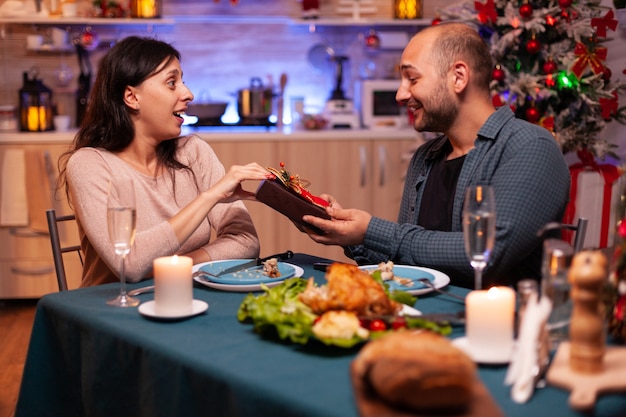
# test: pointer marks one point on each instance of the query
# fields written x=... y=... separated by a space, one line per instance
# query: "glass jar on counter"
x=8 y=118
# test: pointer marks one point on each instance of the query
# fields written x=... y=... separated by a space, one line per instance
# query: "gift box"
x=289 y=203
x=595 y=193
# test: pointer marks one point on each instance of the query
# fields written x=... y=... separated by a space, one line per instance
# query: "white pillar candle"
x=173 y=285
x=489 y=326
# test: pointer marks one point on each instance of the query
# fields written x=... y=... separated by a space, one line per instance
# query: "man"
x=446 y=70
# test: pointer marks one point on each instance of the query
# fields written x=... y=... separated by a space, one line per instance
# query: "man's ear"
x=460 y=74
x=130 y=97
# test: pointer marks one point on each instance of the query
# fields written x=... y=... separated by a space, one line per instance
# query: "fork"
x=430 y=285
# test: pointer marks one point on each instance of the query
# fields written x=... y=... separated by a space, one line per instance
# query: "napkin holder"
x=287 y=202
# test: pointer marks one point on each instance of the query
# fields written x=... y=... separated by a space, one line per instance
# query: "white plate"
x=463 y=344
x=439 y=279
x=244 y=287
x=410 y=311
x=197 y=307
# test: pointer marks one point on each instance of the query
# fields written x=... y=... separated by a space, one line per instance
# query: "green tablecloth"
x=89 y=359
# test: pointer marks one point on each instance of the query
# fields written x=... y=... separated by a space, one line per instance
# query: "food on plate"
x=419 y=371
x=349 y=288
x=270 y=268
x=339 y=324
x=351 y=308
x=386 y=273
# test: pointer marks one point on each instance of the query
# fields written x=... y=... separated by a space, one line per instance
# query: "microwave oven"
x=376 y=100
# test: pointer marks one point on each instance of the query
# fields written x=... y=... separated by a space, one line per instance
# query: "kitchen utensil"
x=255 y=262
x=429 y=284
x=255 y=101
x=141 y=290
x=204 y=108
x=281 y=95
x=208 y=110
x=319 y=56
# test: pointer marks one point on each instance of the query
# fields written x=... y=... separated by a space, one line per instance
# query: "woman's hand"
x=229 y=189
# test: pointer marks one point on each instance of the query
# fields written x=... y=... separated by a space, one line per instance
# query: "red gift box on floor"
x=594 y=195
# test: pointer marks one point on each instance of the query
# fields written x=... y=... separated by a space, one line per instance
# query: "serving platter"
x=242 y=281
x=414 y=273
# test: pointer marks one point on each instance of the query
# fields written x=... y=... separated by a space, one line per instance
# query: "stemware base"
x=123 y=300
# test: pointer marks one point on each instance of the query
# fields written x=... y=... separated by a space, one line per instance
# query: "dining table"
x=87 y=358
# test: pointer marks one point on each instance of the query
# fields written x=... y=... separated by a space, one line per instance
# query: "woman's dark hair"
x=107 y=123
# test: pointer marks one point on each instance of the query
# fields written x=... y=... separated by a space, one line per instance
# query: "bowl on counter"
x=208 y=110
x=313 y=121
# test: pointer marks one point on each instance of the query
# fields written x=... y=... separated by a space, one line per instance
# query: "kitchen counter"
x=243 y=133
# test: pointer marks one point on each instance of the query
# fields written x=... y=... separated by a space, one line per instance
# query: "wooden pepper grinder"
x=587 y=276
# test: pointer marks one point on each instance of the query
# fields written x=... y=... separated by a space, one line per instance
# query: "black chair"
x=57 y=249
x=579 y=229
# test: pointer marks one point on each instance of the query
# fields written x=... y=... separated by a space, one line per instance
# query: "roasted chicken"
x=349 y=288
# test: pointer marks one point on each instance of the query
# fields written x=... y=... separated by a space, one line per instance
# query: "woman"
x=131 y=132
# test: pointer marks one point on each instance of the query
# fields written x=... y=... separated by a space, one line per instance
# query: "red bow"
x=601 y=23
x=586 y=57
x=608 y=106
x=486 y=12
x=547 y=123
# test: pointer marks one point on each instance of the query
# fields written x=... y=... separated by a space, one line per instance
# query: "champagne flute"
x=122 y=217
x=479 y=228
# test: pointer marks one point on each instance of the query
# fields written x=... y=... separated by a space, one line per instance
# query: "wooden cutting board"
x=369 y=405
x=585 y=388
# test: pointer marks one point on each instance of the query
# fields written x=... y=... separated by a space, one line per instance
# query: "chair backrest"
x=57 y=249
x=579 y=229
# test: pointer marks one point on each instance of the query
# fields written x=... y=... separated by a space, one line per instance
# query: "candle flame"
x=175 y=259
x=493 y=292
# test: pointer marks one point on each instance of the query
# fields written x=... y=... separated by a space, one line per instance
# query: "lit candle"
x=489 y=326
x=36 y=118
x=173 y=289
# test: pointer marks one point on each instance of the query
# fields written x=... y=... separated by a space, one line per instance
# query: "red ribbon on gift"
x=609 y=106
x=602 y=23
x=610 y=173
x=593 y=59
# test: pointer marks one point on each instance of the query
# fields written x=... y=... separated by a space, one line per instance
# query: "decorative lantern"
x=407 y=9
x=35 y=105
x=147 y=9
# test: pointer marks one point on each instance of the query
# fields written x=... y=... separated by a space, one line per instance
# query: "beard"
x=439 y=112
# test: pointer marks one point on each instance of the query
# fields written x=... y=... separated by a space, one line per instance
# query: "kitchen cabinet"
x=26 y=264
x=360 y=173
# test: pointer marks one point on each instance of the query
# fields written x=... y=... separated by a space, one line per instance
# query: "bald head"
x=450 y=42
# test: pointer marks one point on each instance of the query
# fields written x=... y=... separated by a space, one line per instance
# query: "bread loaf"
x=417 y=371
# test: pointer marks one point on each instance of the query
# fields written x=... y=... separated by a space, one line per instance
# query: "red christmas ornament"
x=498 y=74
x=372 y=40
x=526 y=11
x=550 y=81
x=606 y=74
x=532 y=115
x=549 y=66
x=533 y=46
x=565 y=3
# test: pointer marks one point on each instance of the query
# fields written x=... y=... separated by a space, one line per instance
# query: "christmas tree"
x=549 y=65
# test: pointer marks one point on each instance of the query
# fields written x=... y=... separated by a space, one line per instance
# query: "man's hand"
x=347 y=226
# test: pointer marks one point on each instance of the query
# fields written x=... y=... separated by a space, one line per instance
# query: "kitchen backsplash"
x=223 y=47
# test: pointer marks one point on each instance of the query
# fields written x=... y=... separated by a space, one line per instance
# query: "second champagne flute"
x=122 y=218
x=479 y=228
